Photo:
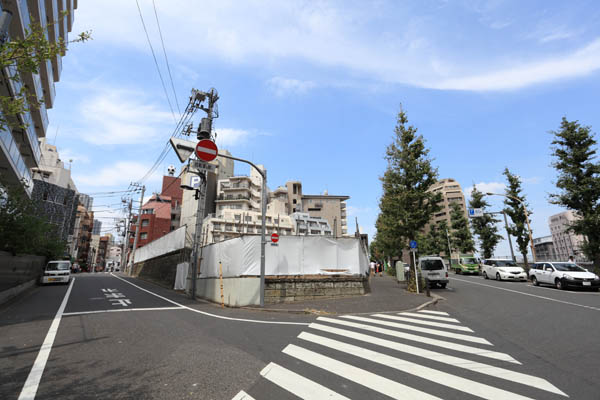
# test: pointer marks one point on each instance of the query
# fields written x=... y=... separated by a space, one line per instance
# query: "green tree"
x=23 y=230
x=26 y=55
x=435 y=240
x=405 y=206
x=484 y=227
x=460 y=235
x=515 y=208
x=574 y=150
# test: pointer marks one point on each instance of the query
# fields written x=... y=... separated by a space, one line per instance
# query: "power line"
x=166 y=58
x=155 y=61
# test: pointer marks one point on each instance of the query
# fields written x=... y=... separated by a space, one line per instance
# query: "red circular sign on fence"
x=274 y=238
x=206 y=150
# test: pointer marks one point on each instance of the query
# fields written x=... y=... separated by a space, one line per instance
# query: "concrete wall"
x=237 y=292
x=290 y=289
x=161 y=270
x=17 y=273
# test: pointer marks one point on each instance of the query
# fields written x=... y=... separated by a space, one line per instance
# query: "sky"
x=311 y=90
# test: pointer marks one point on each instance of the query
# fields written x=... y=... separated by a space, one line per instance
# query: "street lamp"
x=526 y=219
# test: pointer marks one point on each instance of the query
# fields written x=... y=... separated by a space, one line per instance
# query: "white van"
x=434 y=270
x=56 y=272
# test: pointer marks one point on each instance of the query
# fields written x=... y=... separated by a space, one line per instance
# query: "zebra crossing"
x=410 y=355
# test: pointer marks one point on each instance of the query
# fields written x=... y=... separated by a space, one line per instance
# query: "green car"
x=466 y=265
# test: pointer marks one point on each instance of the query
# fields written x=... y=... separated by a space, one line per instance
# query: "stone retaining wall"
x=161 y=270
x=310 y=287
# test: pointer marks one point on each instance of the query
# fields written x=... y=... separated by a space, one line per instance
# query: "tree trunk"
x=526 y=262
x=597 y=264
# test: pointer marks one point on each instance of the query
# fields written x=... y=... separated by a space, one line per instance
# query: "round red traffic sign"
x=206 y=150
x=274 y=238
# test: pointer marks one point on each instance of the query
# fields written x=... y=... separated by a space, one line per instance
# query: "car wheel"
x=534 y=281
x=443 y=285
x=485 y=275
x=458 y=272
x=558 y=283
x=498 y=276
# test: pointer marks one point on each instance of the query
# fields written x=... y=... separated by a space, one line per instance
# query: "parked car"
x=434 y=270
x=56 y=272
x=563 y=275
x=466 y=264
x=501 y=269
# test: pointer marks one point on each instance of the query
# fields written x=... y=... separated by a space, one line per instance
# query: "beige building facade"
x=566 y=244
x=451 y=193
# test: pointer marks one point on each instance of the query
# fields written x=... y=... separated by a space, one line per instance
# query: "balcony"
x=230 y=197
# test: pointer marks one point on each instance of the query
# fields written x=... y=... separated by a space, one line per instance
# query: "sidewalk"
x=386 y=295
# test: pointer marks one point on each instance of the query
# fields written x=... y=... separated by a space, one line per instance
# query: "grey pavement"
x=387 y=295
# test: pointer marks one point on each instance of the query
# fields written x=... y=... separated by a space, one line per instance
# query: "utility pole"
x=204 y=132
x=139 y=226
x=125 y=252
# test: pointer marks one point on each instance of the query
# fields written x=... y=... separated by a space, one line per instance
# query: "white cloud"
x=123 y=117
x=337 y=36
x=581 y=62
x=119 y=174
x=231 y=137
x=67 y=154
x=282 y=86
x=486 y=187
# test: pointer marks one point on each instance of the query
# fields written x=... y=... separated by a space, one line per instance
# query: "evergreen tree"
x=484 y=227
x=405 y=206
x=515 y=209
x=574 y=149
x=434 y=242
x=460 y=235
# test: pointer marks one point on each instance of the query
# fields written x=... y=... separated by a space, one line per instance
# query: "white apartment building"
x=566 y=243
x=307 y=225
x=451 y=193
x=19 y=147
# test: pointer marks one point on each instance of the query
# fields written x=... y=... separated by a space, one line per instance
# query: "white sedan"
x=499 y=269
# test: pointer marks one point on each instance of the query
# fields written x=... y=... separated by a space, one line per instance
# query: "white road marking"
x=436 y=332
x=209 y=314
x=432 y=317
x=122 y=310
x=243 y=396
x=433 y=312
x=531 y=295
x=485 y=369
x=442 y=378
x=35 y=375
x=555 y=290
x=363 y=377
x=422 y=339
x=297 y=384
x=424 y=322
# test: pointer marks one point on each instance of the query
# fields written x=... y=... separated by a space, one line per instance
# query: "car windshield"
x=431 y=264
x=58 y=266
x=468 y=260
x=505 y=263
x=568 y=267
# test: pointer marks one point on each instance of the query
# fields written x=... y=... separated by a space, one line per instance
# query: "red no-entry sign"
x=206 y=150
x=274 y=238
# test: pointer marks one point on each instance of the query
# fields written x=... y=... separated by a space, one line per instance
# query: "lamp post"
x=526 y=219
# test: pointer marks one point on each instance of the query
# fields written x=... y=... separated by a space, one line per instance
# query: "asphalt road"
x=124 y=338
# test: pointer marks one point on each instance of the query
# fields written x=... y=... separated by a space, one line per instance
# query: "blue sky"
x=311 y=90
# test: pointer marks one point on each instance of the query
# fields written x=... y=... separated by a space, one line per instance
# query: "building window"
x=217 y=227
x=294 y=201
x=248 y=218
x=237 y=217
x=145 y=222
x=144 y=235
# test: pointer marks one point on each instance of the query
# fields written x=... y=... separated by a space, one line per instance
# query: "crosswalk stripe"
x=436 y=332
x=363 y=377
x=443 y=378
x=298 y=385
x=243 y=396
x=432 y=317
x=423 y=322
x=422 y=339
x=485 y=369
x=433 y=312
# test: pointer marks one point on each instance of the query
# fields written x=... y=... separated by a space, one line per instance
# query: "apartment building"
x=544 y=249
x=160 y=214
x=54 y=191
x=451 y=193
x=305 y=224
x=19 y=147
x=331 y=208
x=566 y=243
x=97 y=229
x=82 y=235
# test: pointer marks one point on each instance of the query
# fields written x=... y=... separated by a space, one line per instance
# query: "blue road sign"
x=413 y=244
